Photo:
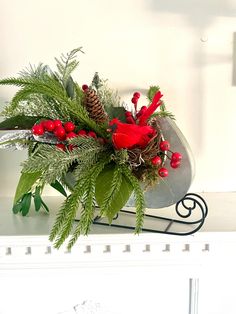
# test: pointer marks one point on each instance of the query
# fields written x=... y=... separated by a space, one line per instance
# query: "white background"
x=184 y=46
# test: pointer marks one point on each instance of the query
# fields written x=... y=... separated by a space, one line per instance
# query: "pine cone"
x=94 y=107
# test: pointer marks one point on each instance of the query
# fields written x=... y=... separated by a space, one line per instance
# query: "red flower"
x=129 y=135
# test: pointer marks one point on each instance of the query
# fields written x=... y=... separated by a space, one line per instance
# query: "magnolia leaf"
x=37 y=199
x=57 y=186
x=19 y=122
x=70 y=87
x=26 y=202
x=25 y=183
x=120 y=197
x=116 y=112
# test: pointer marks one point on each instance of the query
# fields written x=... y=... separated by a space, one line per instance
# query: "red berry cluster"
x=130 y=118
x=135 y=98
x=62 y=131
x=175 y=159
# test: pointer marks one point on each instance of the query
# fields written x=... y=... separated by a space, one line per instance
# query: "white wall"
x=184 y=46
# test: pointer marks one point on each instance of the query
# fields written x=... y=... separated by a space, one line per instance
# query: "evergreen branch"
x=112 y=192
x=35 y=71
x=52 y=88
x=139 y=198
x=88 y=200
x=54 y=163
x=67 y=64
x=66 y=215
x=84 y=192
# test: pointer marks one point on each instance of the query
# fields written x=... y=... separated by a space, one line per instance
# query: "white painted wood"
x=149 y=272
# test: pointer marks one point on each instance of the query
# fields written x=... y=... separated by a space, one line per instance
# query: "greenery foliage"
x=103 y=175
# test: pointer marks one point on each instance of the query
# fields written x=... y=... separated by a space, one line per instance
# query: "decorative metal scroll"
x=191 y=212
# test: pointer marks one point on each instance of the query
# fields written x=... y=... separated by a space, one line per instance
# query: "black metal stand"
x=190 y=213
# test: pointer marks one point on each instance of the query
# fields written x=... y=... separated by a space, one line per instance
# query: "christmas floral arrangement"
x=81 y=139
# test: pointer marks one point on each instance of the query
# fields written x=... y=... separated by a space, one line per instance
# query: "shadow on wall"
x=199 y=15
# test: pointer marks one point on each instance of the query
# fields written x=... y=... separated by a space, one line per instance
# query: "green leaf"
x=17 y=208
x=26 y=202
x=152 y=91
x=37 y=199
x=116 y=112
x=19 y=122
x=70 y=89
x=57 y=185
x=121 y=195
x=25 y=183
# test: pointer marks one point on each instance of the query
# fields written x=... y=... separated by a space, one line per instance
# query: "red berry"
x=175 y=164
x=60 y=133
x=156 y=161
x=42 y=122
x=71 y=135
x=128 y=114
x=176 y=156
x=92 y=134
x=37 y=129
x=49 y=125
x=136 y=95
x=84 y=87
x=82 y=133
x=69 y=126
x=61 y=146
x=163 y=172
x=164 y=145
x=134 y=100
x=57 y=123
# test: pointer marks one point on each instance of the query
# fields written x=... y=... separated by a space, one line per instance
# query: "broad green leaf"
x=17 y=208
x=103 y=185
x=70 y=89
x=37 y=199
x=25 y=183
x=116 y=112
x=57 y=185
x=26 y=202
x=19 y=122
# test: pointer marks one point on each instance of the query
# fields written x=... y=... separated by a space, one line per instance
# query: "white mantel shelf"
x=28 y=236
x=111 y=260
x=221 y=216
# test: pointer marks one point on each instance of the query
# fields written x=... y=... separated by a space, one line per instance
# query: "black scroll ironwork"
x=190 y=214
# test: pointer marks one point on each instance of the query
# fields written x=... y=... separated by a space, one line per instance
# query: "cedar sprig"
x=66 y=64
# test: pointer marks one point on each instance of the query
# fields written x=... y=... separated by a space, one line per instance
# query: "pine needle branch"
x=88 y=201
x=66 y=215
x=139 y=198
